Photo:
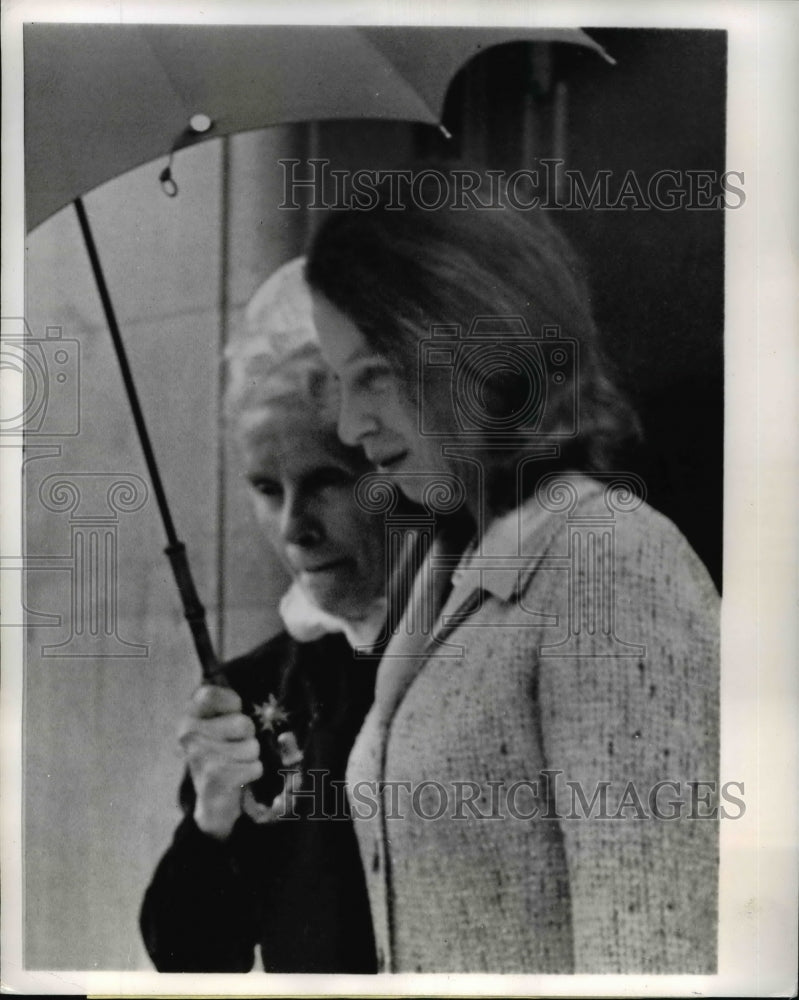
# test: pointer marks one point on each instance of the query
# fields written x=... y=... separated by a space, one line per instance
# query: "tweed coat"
x=508 y=786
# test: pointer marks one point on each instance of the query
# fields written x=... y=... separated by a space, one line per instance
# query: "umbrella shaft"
x=127 y=377
x=175 y=550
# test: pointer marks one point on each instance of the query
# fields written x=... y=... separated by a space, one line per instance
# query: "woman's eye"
x=266 y=487
x=372 y=374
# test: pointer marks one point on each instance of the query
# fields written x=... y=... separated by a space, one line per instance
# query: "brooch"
x=270 y=717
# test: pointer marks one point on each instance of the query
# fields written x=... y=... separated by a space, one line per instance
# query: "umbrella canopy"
x=101 y=99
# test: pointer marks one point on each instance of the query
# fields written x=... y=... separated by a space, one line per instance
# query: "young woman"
x=533 y=786
x=285 y=875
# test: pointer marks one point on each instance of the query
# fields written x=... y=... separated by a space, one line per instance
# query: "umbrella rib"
x=383 y=55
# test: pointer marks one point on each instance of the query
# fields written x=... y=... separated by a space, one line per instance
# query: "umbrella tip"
x=444 y=131
x=200 y=123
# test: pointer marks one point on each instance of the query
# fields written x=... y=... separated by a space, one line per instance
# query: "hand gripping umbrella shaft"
x=175 y=550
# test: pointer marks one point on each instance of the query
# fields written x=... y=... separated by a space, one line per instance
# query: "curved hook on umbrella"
x=198 y=128
x=168 y=183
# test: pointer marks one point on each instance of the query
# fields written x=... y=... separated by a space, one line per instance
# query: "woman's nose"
x=298 y=524
x=355 y=419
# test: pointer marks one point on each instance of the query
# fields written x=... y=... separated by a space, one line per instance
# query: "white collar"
x=306 y=622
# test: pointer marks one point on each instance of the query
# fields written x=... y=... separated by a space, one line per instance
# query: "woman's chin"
x=330 y=598
x=341 y=594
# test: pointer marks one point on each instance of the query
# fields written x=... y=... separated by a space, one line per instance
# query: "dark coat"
x=294 y=887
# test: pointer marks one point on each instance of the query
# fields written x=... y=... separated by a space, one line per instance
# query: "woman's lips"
x=387 y=462
x=324 y=567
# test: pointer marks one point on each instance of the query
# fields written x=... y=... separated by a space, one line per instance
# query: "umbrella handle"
x=195 y=614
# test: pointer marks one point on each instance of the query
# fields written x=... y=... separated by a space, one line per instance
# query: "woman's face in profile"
x=375 y=411
x=302 y=483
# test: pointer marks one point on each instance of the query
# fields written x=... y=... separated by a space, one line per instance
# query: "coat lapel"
x=415 y=639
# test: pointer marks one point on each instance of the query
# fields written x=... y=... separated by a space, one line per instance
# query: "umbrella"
x=102 y=99
x=156 y=89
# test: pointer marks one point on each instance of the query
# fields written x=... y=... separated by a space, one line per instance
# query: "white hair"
x=279 y=358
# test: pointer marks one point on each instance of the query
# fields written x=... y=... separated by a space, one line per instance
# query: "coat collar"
x=500 y=563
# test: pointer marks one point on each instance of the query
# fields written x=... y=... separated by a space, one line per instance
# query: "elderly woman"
x=524 y=787
x=280 y=869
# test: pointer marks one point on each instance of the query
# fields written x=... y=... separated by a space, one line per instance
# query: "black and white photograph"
x=399 y=514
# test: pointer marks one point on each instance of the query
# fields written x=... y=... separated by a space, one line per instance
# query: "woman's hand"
x=222 y=755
